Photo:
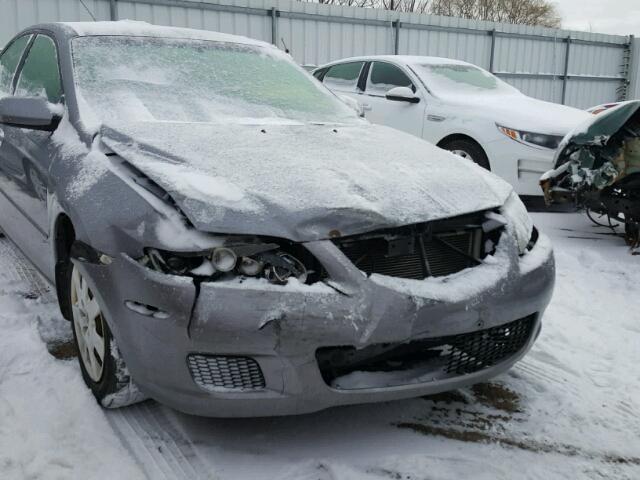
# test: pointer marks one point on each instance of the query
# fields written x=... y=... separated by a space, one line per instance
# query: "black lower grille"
x=420 y=251
x=221 y=372
x=441 y=357
x=474 y=351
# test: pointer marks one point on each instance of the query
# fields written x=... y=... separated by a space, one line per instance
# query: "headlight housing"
x=239 y=257
x=518 y=218
x=532 y=139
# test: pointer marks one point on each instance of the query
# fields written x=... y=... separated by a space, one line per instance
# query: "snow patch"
x=51 y=425
x=137 y=28
x=67 y=140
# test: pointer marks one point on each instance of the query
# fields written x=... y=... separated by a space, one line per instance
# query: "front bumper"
x=281 y=328
x=519 y=164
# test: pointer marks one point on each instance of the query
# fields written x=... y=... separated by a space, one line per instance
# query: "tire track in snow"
x=16 y=268
x=20 y=278
x=545 y=373
x=160 y=449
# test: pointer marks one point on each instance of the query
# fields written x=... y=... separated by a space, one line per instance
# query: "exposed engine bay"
x=249 y=257
x=598 y=168
x=431 y=249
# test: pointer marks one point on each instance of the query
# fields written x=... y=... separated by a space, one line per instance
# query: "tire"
x=103 y=368
x=469 y=149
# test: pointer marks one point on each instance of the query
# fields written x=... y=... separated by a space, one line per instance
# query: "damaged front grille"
x=221 y=372
x=431 y=249
x=470 y=352
x=424 y=360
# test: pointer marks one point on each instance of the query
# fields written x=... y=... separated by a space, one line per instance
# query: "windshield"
x=461 y=79
x=182 y=80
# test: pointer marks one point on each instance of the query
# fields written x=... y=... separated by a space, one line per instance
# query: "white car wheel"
x=89 y=326
x=463 y=154
x=467 y=149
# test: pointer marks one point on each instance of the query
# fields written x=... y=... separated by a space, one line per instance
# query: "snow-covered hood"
x=303 y=182
x=520 y=112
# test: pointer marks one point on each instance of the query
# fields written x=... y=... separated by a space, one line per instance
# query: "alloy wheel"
x=463 y=154
x=89 y=326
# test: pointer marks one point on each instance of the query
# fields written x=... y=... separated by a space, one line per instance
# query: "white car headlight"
x=531 y=138
x=518 y=218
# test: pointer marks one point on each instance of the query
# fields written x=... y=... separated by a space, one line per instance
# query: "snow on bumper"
x=282 y=328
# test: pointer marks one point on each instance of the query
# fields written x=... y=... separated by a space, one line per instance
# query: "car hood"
x=303 y=182
x=520 y=112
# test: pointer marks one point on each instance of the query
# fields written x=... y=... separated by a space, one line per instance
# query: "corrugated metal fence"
x=575 y=68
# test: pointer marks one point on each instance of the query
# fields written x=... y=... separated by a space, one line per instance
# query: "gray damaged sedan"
x=230 y=239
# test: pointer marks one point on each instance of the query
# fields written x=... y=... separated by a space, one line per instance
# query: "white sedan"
x=459 y=107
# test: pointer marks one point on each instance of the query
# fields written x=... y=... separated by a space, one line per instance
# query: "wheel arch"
x=64 y=234
x=462 y=136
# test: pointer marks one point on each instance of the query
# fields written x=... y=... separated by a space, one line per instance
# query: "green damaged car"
x=598 y=168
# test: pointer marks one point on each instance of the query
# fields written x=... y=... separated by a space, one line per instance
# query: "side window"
x=384 y=76
x=318 y=73
x=9 y=62
x=40 y=75
x=343 y=77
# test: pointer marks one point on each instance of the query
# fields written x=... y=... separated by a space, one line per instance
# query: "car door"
x=26 y=154
x=382 y=77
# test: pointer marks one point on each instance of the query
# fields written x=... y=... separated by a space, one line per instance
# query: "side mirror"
x=402 y=94
x=34 y=113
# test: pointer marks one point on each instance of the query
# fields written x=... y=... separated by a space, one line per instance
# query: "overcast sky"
x=620 y=17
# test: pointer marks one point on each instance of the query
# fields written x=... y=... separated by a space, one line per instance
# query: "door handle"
x=1 y=136
x=365 y=106
x=435 y=118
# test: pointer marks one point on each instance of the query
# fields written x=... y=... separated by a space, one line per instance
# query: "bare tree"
x=529 y=12
x=347 y=3
x=417 y=6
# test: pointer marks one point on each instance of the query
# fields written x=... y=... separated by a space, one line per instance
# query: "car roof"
x=141 y=29
x=402 y=59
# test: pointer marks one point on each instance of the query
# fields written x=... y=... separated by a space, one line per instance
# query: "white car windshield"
x=183 y=80
x=449 y=78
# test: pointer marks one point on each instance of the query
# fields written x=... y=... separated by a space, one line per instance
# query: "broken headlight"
x=517 y=216
x=250 y=258
x=531 y=138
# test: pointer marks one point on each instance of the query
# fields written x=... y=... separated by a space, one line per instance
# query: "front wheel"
x=102 y=366
x=467 y=149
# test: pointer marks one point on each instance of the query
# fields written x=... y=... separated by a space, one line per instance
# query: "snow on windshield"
x=181 y=80
x=461 y=78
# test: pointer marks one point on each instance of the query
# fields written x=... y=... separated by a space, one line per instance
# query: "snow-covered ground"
x=569 y=410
